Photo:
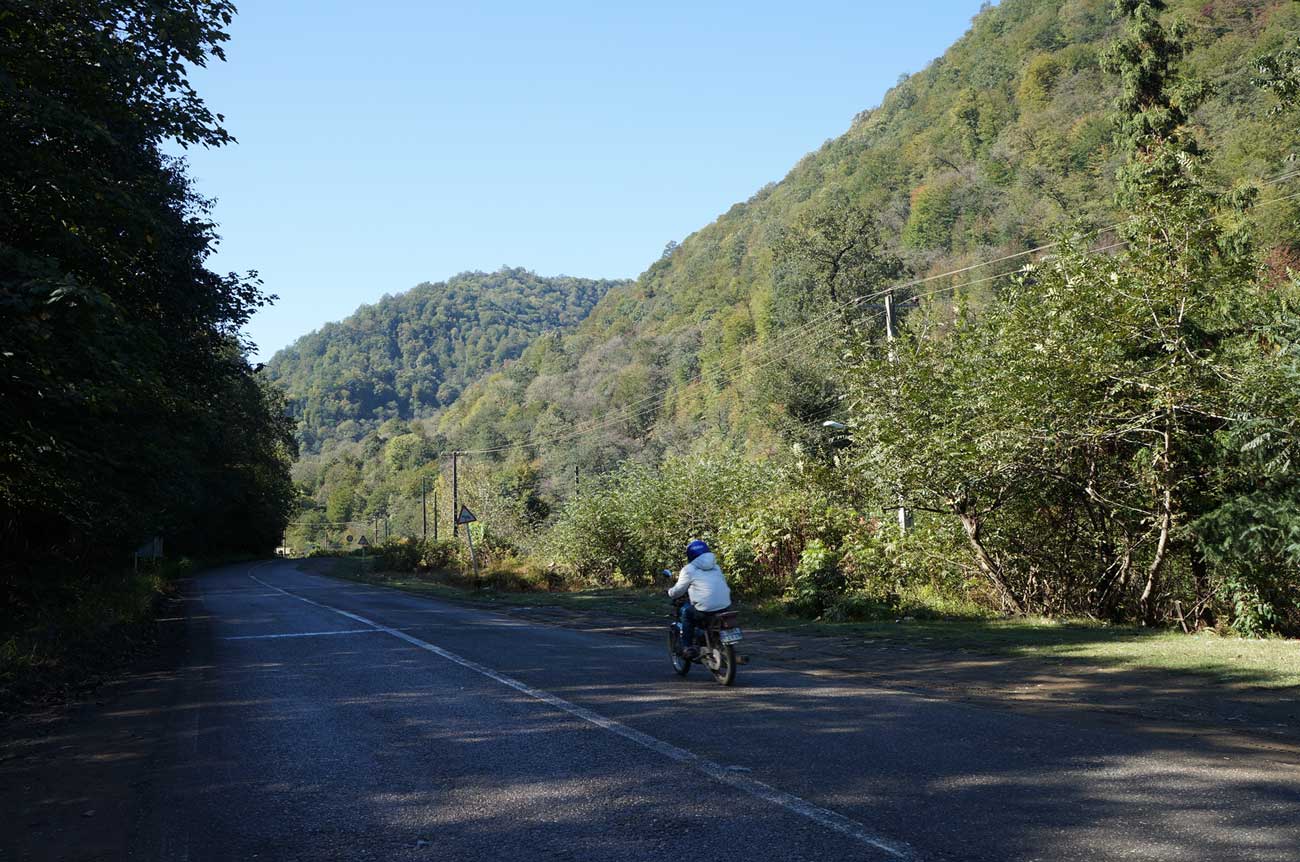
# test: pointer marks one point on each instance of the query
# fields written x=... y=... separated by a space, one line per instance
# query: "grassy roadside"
x=635 y=604
x=1271 y=663
x=1264 y=664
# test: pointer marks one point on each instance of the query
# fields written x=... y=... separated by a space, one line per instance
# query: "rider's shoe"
x=691 y=653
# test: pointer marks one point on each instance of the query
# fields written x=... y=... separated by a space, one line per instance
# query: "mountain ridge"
x=410 y=353
x=982 y=153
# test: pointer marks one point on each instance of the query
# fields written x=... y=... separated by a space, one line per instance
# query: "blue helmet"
x=695 y=549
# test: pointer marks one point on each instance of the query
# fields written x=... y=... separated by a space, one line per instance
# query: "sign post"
x=466 y=517
x=455 y=493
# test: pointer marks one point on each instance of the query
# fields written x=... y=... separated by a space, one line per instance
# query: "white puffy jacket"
x=703 y=580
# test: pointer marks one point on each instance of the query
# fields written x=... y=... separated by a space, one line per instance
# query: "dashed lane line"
x=300 y=635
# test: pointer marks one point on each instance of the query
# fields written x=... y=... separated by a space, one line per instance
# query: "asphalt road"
x=320 y=719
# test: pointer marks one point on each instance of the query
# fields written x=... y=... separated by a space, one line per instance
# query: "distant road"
x=317 y=719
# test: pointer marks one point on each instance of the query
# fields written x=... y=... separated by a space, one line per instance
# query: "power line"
x=328 y=523
x=786 y=338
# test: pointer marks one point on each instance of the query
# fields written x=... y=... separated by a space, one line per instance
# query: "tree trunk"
x=1146 y=604
x=1106 y=592
x=987 y=564
x=1201 y=575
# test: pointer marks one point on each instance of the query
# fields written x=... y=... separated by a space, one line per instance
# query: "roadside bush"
x=818 y=582
x=918 y=574
x=868 y=558
x=932 y=601
x=639 y=519
x=410 y=554
x=440 y=554
x=516 y=575
x=761 y=548
x=859 y=607
x=67 y=629
x=492 y=545
x=591 y=540
x=400 y=555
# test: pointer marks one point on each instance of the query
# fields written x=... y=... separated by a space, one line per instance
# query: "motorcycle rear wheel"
x=724 y=673
x=681 y=666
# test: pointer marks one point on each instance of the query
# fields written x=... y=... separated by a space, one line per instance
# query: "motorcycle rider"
x=706 y=589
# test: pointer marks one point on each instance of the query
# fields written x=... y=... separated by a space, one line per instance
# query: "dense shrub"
x=818 y=582
x=440 y=554
x=639 y=520
x=408 y=554
x=763 y=545
x=857 y=607
x=400 y=555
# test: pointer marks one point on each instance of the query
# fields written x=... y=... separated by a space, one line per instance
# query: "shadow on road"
x=319 y=748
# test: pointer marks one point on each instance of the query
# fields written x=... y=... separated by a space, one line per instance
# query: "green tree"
x=1074 y=427
x=1279 y=73
x=341 y=505
x=835 y=254
x=833 y=259
x=129 y=408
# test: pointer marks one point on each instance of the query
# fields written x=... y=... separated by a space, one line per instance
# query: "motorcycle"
x=716 y=636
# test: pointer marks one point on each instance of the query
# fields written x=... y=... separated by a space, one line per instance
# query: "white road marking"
x=251 y=594
x=299 y=635
x=822 y=816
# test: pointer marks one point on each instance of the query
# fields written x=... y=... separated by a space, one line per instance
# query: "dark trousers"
x=690 y=617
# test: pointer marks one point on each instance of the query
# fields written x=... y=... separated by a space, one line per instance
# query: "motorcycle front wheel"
x=680 y=665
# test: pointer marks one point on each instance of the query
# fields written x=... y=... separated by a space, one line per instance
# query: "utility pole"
x=576 y=482
x=455 y=493
x=424 y=510
x=435 y=513
x=893 y=360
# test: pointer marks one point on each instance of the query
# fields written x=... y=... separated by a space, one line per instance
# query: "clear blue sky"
x=390 y=142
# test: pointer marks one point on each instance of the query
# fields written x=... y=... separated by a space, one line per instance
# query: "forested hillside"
x=981 y=154
x=1088 y=218
x=409 y=354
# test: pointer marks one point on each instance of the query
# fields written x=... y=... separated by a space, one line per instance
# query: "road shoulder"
x=74 y=775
